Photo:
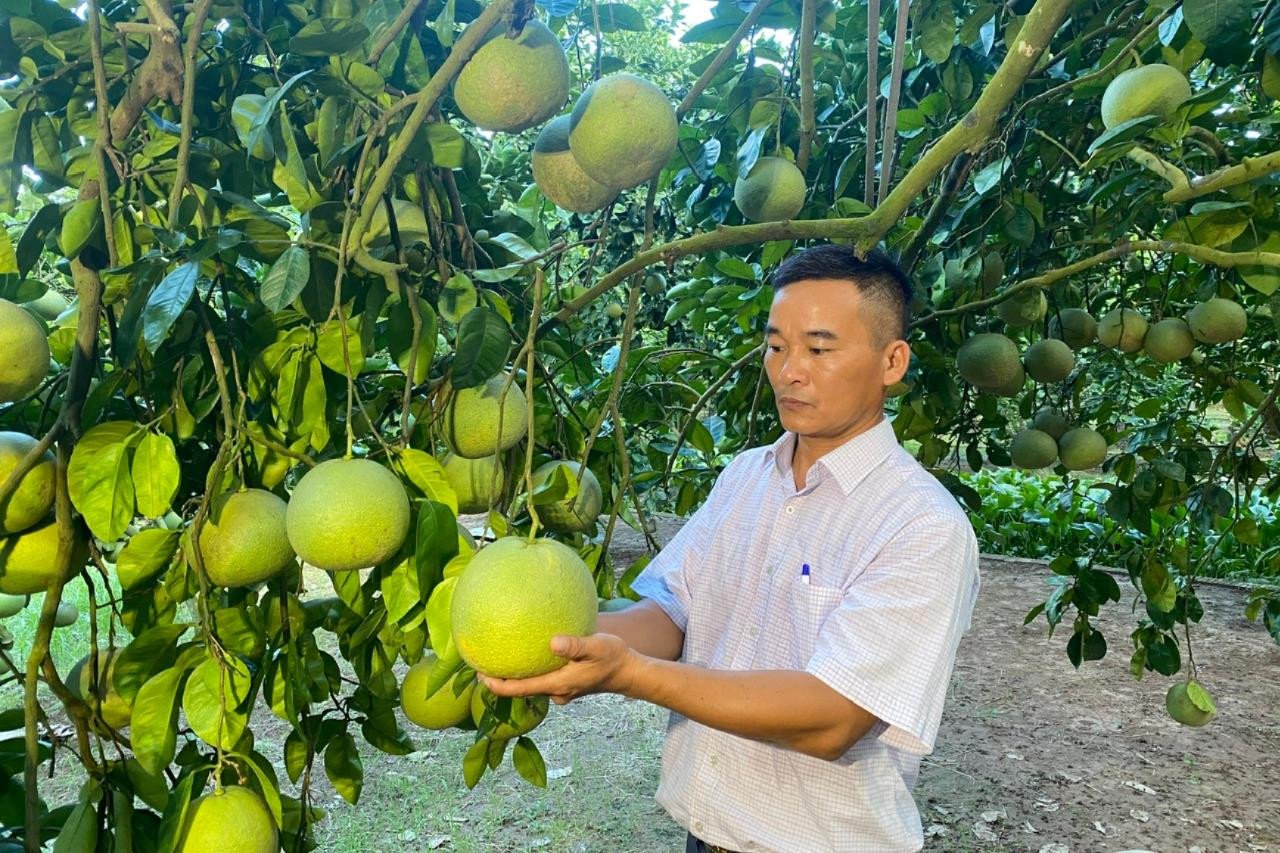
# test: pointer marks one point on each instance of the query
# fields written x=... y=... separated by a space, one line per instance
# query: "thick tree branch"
x=1247 y=170
x=389 y=35
x=160 y=75
x=873 y=96
x=1157 y=164
x=726 y=53
x=198 y=16
x=890 y=136
x=956 y=176
x=808 y=32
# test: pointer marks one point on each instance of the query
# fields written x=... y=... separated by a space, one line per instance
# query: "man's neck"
x=809 y=449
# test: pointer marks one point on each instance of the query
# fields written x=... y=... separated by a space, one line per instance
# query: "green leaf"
x=154 y=724
x=475 y=762
x=458 y=298
x=286 y=278
x=343 y=767
x=326 y=36
x=400 y=338
x=258 y=128
x=439 y=620
x=620 y=16
x=166 y=303
x=448 y=146
x=935 y=29
x=8 y=255
x=1200 y=697
x=145 y=555
x=296 y=754
x=1211 y=21
x=155 y=474
x=79 y=226
x=98 y=479
x=426 y=473
x=154 y=649
x=1265 y=280
x=211 y=698
x=436 y=542
x=80 y=833
x=329 y=347
x=400 y=591
x=528 y=762
x=483 y=345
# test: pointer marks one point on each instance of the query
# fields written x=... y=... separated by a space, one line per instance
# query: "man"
x=803 y=624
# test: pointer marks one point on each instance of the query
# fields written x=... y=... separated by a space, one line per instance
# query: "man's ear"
x=897 y=358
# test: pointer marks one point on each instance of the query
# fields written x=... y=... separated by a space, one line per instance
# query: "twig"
x=729 y=50
x=890 y=135
x=198 y=15
x=808 y=32
x=873 y=95
x=390 y=33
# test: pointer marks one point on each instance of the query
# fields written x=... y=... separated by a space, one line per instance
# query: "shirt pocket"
x=793 y=618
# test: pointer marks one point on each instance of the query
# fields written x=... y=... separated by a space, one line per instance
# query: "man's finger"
x=568 y=646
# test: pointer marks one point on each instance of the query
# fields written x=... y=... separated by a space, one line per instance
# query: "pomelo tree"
x=299 y=240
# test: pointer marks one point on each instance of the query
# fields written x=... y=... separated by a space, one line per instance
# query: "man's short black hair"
x=880 y=281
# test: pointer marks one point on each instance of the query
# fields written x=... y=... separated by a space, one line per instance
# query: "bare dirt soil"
x=1035 y=755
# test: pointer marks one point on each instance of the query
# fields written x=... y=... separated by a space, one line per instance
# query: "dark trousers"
x=694 y=844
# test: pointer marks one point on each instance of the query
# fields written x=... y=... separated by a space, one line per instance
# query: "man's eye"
x=774 y=347
x=816 y=350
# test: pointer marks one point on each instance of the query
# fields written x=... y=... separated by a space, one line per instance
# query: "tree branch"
x=389 y=35
x=873 y=97
x=808 y=31
x=1155 y=163
x=1247 y=170
x=956 y=176
x=198 y=16
x=890 y=135
x=727 y=52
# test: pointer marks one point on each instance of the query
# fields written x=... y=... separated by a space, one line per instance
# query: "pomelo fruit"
x=1179 y=704
x=1082 y=448
x=11 y=604
x=774 y=189
x=989 y=361
x=511 y=84
x=470 y=422
x=1033 y=449
x=1050 y=360
x=66 y=615
x=571 y=515
x=27 y=559
x=1169 y=340
x=1155 y=89
x=347 y=514
x=48 y=306
x=1217 y=321
x=1123 y=329
x=558 y=175
x=476 y=482
x=245 y=541
x=34 y=496
x=93 y=685
x=1024 y=308
x=623 y=130
x=24 y=352
x=233 y=818
x=442 y=709
x=1051 y=421
x=516 y=595
x=1074 y=326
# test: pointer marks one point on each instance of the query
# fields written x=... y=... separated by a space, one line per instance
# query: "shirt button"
x=714 y=761
x=790 y=510
x=697 y=826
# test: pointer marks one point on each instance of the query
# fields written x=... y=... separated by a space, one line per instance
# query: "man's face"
x=825 y=359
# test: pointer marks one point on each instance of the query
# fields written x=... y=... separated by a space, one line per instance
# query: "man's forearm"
x=789 y=708
x=646 y=628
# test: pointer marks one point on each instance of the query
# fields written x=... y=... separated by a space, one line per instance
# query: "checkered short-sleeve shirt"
x=892 y=578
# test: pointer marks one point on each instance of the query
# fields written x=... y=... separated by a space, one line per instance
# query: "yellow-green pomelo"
x=774 y=189
x=558 y=175
x=245 y=540
x=233 y=818
x=516 y=595
x=992 y=269
x=470 y=422
x=1155 y=89
x=622 y=130
x=48 y=306
x=525 y=715
x=1180 y=706
x=571 y=515
x=1217 y=321
x=347 y=514
x=1051 y=421
x=1024 y=308
x=66 y=615
x=1012 y=387
x=11 y=604
x=1074 y=326
x=34 y=496
x=24 y=352
x=511 y=84
x=442 y=709
x=1082 y=448
x=1050 y=360
x=27 y=559
x=476 y=482
x=1169 y=340
x=1123 y=329
x=614 y=310
x=93 y=685
x=989 y=361
x=1033 y=449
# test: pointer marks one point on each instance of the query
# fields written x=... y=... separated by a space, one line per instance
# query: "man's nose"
x=794 y=369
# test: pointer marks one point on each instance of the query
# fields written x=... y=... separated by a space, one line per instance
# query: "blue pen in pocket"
x=804 y=574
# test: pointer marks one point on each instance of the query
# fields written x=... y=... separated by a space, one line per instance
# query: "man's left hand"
x=599 y=663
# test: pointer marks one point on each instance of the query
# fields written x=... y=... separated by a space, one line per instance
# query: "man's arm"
x=645 y=627
x=792 y=709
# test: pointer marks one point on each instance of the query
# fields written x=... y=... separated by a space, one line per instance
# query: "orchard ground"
x=1032 y=755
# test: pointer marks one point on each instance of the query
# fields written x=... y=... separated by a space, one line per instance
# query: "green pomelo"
x=1217 y=321
x=774 y=189
x=1155 y=89
x=572 y=515
x=1051 y=421
x=1169 y=340
x=471 y=419
x=1024 y=308
x=1012 y=387
x=989 y=361
x=516 y=595
x=11 y=604
x=233 y=818
x=1050 y=360
x=94 y=686
x=1180 y=706
x=1032 y=449
x=476 y=482
x=511 y=84
x=1123 y=329
x=27 y=559
x=24 y=352
x=442 y=709
x=34 y=496
x=525 y=715
x=347 y=514
x=1074 y=326
x=66 y=615
x=992 y=270
x=245 y=541
x=49 y=306
x=1082 y=448
x=623 y=130
x=558 y=175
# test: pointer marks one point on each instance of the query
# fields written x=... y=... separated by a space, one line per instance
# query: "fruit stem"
x=534 y=314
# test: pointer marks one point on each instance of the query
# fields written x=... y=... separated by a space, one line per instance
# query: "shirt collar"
x=849 y=463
